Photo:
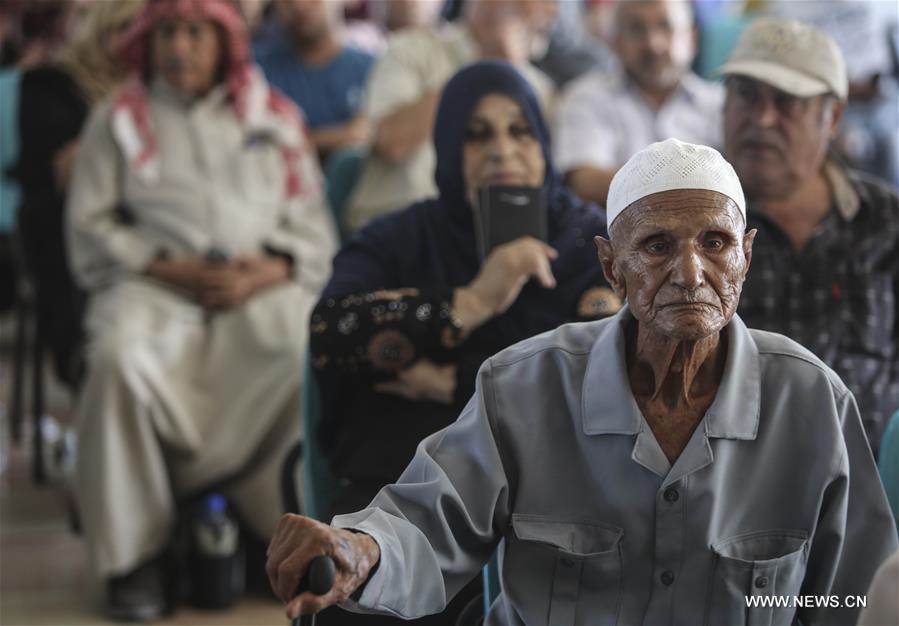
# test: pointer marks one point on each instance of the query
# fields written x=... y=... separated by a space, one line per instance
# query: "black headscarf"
x=432 y=244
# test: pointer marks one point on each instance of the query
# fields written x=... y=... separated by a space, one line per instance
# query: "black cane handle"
x=318 y=579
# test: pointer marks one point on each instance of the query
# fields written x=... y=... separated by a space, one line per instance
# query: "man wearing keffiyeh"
x=198 y=224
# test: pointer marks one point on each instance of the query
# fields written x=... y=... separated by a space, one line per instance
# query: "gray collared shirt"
x=776 y=494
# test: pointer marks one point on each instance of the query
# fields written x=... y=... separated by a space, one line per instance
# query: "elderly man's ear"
x=748 y=238
x=607 y=260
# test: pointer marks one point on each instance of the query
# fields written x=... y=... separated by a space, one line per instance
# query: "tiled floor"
x=43 y=565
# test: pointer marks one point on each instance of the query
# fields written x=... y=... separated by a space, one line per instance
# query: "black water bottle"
x=217 y=563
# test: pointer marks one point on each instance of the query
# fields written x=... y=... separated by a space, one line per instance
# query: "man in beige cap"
x=826 y=268
x=662 y=466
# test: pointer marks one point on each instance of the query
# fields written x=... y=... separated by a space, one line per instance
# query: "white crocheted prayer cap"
x=668 y=165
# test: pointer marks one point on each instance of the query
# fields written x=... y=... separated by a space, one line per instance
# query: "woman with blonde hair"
x=56 y=98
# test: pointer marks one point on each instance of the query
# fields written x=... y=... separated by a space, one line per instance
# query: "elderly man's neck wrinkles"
x=674 y=382
x=675 y=364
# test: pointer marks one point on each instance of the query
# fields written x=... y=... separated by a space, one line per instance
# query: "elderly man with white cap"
x=663 y=466
x=826 y=270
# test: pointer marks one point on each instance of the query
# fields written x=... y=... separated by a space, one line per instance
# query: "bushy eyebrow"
x=643 y=239
x=662 y=234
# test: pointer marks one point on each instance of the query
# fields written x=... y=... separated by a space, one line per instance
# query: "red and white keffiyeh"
x=259 y=108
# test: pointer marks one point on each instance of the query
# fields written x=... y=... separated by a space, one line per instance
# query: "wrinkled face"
x=655 y=41
x=774 y=140
x=500 y=147
x=308 y=20
x=187 y=54
x=680 y=258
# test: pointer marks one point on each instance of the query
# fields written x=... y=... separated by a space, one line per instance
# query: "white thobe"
x=178 y=400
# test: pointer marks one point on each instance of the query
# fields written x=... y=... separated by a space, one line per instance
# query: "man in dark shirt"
x=825 y=269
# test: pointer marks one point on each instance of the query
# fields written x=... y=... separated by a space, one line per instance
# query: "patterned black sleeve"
x=381 y=331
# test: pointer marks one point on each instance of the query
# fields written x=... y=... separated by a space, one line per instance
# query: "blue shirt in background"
x=328 y=94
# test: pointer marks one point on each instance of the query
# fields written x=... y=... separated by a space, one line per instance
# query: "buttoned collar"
x=609 y=407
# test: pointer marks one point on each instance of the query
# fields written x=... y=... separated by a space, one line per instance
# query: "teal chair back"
x=889 y=464
x=342 y=172
x=319 y=482
x=718 y=40
x=491 y=581
x=9 y=147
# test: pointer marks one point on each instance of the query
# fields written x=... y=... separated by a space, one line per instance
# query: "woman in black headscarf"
x=411 y=313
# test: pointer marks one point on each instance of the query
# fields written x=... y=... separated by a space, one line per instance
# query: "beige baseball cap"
x=789 y=55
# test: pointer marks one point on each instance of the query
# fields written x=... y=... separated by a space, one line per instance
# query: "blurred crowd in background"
x=177 y=228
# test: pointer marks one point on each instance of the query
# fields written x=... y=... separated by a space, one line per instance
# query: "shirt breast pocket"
x=576 y=566
x=752 y=566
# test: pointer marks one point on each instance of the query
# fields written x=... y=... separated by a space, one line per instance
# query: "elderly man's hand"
x=505 y=272
x=300 y=539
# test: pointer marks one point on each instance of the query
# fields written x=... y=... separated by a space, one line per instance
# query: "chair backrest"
x=889 y=464
x=717 y=42
x=9 y=147
x=319 y=482
x=342 y=172
x=491 y=581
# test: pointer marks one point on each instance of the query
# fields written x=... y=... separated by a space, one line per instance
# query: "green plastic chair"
x=319 y=482
x=718 y=41
x=342 y=172
x=491 y=581
x=10 y=193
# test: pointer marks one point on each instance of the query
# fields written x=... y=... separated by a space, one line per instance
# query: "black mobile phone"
x=506 y=213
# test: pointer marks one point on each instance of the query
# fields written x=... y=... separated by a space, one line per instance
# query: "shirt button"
x=761 y=582
x=667 y=577
x=671 y=494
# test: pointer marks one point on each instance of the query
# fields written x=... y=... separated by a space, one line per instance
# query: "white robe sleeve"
x=101 y=246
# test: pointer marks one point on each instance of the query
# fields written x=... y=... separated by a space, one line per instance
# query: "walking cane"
x=319 y=580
